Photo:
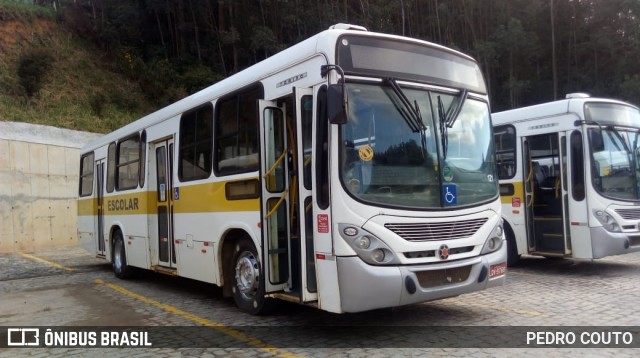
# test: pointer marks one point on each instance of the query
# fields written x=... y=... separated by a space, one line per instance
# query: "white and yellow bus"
x=352 y=171
x=569 y=178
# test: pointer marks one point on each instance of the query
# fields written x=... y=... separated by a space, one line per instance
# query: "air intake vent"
x=629 y=214
x=449 y=230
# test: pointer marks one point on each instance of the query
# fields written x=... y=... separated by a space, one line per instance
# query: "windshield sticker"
x=449 y=194
x=365 y=153
x=447 y=175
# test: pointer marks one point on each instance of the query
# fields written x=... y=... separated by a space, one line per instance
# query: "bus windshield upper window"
x=404 y=60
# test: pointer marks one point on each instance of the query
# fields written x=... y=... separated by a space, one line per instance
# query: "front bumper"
x=365 y=287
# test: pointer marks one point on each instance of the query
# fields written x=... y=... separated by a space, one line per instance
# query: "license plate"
x=497 y=270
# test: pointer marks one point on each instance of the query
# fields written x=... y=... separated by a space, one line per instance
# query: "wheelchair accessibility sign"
x=449 y=194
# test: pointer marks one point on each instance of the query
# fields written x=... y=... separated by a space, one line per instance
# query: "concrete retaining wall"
x=38 y=185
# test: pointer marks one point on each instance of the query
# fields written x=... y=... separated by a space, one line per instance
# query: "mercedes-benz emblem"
x=443 y=252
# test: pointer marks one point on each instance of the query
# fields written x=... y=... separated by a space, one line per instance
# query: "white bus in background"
x=569 y=177
x=352 y=171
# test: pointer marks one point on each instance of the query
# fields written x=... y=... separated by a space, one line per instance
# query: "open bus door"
x=303 y=159
x=275 y=204
x=546 y=195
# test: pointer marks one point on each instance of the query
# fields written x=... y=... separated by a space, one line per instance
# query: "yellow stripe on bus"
x=518 y=192
x=200 y=198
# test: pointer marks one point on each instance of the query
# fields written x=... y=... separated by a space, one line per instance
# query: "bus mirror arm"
x=336 y=96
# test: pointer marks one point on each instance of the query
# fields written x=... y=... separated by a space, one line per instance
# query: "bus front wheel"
x=248 y=283
x=120 y=267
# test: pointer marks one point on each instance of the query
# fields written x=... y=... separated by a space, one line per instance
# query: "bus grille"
x=435 y=278
x=629 y=214
x=449 y=230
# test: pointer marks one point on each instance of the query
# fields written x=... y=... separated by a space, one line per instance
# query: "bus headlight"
x=495 y=240
x=368 y=247
x=607 y=221
x=378 y=255
x=363 y=242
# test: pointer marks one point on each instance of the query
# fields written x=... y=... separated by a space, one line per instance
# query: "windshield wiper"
x=454 y=112
x=443 y=127
x=410 y=113
x=448 y=118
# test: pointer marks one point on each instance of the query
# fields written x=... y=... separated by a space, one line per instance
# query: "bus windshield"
x=614 y=157
x=615 y=150
x=388 y=159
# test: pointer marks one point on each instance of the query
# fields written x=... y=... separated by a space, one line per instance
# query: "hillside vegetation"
x=97 y=64
x=50 y=76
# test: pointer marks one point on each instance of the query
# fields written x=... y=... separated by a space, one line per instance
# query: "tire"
x=512 y=250
x=247 y=280
x=119 y=258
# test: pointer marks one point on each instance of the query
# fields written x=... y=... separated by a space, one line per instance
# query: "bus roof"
x=549 y=109
x=322 y=43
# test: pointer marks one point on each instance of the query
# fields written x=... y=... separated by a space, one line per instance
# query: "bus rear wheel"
x=248 y=283
x=120 y=267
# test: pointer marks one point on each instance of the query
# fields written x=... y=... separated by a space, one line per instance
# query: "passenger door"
x=99 y=223
x=275 y=197
x=160 y=176
x=545 y=195
x=304 y=110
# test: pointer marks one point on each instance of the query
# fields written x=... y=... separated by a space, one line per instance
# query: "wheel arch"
x=225 y=256
x=513 y=253
x=115 y=227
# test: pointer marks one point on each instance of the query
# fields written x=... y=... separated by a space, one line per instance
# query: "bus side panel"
x=197 y=236
x=513 y=212
x=581 y=242
x=133 y=228
x=86 y=218
x=326 y=263
x=196 y=259
x=328 y=289
x=136 y=250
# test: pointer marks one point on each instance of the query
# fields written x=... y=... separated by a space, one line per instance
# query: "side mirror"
x=337 y=104
x=596 y=141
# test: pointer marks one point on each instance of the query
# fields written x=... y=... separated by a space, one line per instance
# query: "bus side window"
x=322 y=151
x=86 y=174
x=196 y=134
x=128 y=162
x=505 y=147
x=236 y=133
x=577 y=166
x=111 y=167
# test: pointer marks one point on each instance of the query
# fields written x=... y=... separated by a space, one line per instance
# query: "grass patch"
x=18 y=10
x=80 y=90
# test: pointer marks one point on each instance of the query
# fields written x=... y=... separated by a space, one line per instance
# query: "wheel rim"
x=247 y=275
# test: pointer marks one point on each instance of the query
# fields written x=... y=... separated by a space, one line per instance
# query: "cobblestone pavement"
x=72 y=288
